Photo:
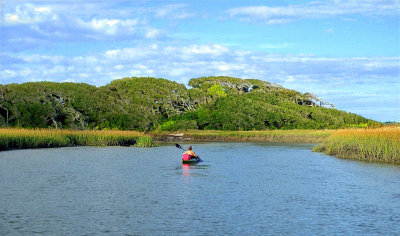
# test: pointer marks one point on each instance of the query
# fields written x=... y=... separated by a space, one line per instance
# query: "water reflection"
x=194 y=169
x=186 y=169
x=240 y=189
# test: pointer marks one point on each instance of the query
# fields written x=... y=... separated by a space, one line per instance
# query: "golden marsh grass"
x=379 y=145
x=44 y=138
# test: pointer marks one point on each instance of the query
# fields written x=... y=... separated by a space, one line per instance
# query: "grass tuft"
x=145 y=142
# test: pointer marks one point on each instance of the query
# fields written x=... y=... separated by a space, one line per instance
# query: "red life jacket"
x=186 y=156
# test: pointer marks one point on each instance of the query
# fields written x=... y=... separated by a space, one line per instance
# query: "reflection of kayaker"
x=186 y=169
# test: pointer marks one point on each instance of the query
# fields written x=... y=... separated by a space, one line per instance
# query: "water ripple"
x=240 y=189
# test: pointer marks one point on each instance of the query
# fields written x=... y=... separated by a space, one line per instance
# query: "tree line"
x=144 y=104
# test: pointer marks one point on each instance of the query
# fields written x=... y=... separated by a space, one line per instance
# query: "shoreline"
x=267 y=136
x=371 y=145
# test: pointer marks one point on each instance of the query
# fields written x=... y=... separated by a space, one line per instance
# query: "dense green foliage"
x=257 y=105
x=223 y=103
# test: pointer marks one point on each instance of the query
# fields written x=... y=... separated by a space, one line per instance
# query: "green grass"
x=46 y=138
x=145 y=142
x=277 y=136
x=377 y=145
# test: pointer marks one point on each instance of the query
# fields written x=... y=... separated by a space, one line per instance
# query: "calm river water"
x=239 y=189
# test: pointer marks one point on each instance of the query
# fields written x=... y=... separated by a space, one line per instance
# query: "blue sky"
x=345 y=52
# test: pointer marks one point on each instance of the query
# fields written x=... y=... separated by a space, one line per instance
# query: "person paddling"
x=189 y=154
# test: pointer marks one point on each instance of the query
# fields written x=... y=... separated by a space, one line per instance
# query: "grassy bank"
x=45 y=138
x=378 y=145
x=273 y=136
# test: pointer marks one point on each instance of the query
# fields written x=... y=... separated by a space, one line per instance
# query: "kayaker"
x=191 y=153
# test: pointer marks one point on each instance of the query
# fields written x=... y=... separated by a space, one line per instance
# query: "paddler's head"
x=190 y=148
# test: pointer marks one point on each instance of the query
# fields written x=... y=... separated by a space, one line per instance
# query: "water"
x=239 y=189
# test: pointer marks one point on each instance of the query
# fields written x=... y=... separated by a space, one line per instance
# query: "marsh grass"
x=273 y=136
x=145 y=141
x=45 y=138
x=378 y=145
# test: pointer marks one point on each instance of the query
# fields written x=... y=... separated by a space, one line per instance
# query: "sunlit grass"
x=44 y=138
x=381 y=144
x=279 y=136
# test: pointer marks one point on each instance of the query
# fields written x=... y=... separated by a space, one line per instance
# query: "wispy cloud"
x=29 y=25
x=330 y=31
x=109 y=26
x=324 y=9
x=29 y=14
x=173 y=11
x=211 y=59
x=339 y=80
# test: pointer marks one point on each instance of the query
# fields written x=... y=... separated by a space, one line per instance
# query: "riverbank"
x=271 y=136
x=376 y=145
x=47 y=138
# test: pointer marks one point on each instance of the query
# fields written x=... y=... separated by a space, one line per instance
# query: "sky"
x=345 y=52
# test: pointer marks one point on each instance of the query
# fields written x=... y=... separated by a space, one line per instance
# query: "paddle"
x=179 y=146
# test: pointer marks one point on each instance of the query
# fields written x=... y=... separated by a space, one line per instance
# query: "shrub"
x=174 y=125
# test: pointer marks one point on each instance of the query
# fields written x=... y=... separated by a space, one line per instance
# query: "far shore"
x=268 y=136
x=374 y=145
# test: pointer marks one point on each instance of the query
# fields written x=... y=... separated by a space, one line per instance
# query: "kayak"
x=191 y=161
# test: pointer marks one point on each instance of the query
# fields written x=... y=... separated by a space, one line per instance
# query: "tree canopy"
x=144 y=103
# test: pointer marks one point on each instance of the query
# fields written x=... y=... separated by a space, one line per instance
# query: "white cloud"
x=41 y=24
x=152 y=33
x=173 y=11
x=57 y=70
x=7 y=74
x=113 y=53
x=110 y=26
x=119 y=67
x=213 y=50
x=184 y=62
x=317 y=9
x=42 y=59
x=336 y=80
x=29 y=14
